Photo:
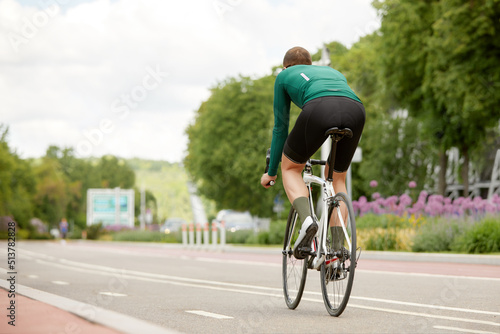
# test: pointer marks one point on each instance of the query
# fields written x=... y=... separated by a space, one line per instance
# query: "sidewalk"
x=39 y=312
x=36 y=317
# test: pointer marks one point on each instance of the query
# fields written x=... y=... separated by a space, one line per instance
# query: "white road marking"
x=425 y=315
x=427 y=275
x=268 y=264
x=264 y=291
x=397 y=302
x=463 y=330
x=210 y=315
x=243 y=262
x=438 y=307
x=231 y=287
x=113 y=294
x=60 y=283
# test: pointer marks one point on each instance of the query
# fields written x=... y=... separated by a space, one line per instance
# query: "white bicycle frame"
x=328 y=193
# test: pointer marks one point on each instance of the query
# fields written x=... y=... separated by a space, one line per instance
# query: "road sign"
x=110 y=207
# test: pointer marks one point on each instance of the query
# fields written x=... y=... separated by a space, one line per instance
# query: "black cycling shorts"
x=319 y=115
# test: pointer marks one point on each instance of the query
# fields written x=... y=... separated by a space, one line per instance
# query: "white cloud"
x=63 y=69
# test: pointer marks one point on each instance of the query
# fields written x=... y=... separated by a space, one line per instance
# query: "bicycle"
x=336 y=261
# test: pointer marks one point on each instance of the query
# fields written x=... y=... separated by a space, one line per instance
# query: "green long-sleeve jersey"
x=300 y=84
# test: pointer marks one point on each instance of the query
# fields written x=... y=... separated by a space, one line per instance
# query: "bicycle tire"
x=294 y=270
x=337 y=282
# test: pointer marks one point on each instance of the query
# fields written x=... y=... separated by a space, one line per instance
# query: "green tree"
x=405 y=32
x=150 y=204
x=440 y=61
x=80 y=175
x=51 y=198
x=115 y=172
x=463 y=72
x=169 y=184
x=63 y=181
x=392 y=140
x=228 y=142
x=17 y=183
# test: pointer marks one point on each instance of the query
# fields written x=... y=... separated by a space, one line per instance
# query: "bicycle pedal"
x=303 y=252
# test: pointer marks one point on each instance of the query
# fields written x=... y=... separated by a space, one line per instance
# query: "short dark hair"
x=297 y=56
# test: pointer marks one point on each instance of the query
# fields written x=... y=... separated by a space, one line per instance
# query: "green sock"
x=338 y=236
x=301 y=205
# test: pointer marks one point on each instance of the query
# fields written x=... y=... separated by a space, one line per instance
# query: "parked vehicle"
x=172 y=225
x=235 y=221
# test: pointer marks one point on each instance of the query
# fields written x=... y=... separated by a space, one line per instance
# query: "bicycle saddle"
x=339 y=133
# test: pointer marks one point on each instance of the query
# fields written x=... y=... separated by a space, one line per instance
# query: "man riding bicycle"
x=326 y=101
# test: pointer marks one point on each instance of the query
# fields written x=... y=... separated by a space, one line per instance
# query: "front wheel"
x=294 y=270
x=337 y=271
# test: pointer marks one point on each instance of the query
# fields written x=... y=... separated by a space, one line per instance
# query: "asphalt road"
x=239 y=290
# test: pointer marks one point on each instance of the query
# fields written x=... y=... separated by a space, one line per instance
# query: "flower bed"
x=428 y=205
x=431 y=224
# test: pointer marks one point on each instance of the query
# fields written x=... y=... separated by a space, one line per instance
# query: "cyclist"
x=326 y=101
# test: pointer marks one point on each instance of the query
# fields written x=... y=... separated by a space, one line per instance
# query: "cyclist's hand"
x=266 y=180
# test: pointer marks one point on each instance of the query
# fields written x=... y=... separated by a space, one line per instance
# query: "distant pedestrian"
x=63 y=228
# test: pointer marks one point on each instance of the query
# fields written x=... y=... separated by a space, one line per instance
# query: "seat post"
x=331 y=161
x=336 y=135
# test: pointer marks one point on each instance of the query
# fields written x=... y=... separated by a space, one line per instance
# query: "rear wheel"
x=337 y=271
x=294 y=270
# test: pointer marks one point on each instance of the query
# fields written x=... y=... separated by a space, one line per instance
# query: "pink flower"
x=405 y=200
x=412 y=184
x=373 y=183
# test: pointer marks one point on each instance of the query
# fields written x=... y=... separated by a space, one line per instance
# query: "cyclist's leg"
x=335 y=225
x=339 y=186
x=292 y=179
x=293 y=161
x=297 y=193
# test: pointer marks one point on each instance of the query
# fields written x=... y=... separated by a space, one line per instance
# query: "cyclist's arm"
x=281 y=120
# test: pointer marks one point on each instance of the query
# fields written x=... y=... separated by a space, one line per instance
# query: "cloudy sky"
x=125 y=77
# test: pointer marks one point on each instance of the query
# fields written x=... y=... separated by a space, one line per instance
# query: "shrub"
x=384 y=239
x=76 y=233
x=483 y=237
x=274 y=236
x=438 y=235
x=385 y=221
x=40 y=236
x=385 y=232
x=239 y=237
x=94 y=231
x=276 y=233
x=21 y=234
x=145 y=236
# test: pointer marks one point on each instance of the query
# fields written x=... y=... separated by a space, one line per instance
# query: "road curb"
x=114 y=320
